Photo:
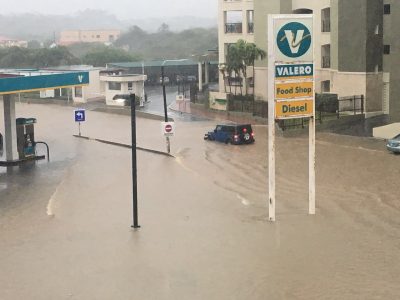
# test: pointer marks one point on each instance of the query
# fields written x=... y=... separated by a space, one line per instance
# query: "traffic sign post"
x=291 y=91
x=80 y=116
x=168 y=129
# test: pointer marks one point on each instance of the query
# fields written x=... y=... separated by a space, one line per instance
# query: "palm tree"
x=240 y=56
x=253 y=53
x=234 y=63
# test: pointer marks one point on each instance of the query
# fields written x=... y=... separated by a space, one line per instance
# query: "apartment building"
x=70 y=37
x=236 y=21
x=356 y=47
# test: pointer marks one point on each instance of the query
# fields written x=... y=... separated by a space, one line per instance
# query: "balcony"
x=250 y=28
x=233 y=28
x=326 y=62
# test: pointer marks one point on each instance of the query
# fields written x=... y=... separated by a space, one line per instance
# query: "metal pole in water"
x=134 y=163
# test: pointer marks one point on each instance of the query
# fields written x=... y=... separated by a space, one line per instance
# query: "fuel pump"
x=26 y=145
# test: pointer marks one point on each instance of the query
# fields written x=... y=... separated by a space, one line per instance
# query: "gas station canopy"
x=15 y=81
x=22 y=81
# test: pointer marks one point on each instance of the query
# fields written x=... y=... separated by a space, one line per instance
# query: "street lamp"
x=134 y=162
x=122 y=99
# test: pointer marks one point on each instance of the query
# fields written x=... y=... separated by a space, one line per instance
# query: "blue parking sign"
x=80 y=115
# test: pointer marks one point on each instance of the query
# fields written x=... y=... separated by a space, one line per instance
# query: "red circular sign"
x=168 y=128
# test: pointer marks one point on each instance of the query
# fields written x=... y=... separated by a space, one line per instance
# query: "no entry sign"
x=168 y=128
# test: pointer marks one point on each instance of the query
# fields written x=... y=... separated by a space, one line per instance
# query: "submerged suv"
x=233 y=134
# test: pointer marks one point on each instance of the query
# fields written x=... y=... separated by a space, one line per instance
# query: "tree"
x=167 y=44
x=103 y=55
x=253 y=53
x=163 y=28
x=36 y=58
x=58 y=56
x=242 y=55
x=34 y=44
x=235 y=65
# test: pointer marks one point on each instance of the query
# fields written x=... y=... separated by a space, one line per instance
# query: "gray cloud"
x=126 y=9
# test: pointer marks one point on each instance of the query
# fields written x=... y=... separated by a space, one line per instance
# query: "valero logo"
x=294 y=39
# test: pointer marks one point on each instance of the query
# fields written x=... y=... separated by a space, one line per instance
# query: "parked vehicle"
x=394 y=144
x=233 y=134
x=166 y=80
x=191 y=78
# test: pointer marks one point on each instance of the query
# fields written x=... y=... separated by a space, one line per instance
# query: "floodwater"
x=65 y=225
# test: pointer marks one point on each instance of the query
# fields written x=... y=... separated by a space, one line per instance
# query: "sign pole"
x=311 y=208
x=312 y=183
x=79 y=128
x=271 y=121
x=165 y=107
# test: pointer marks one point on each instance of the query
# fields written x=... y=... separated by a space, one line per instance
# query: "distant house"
x=69 y=37
x=6 y=42
x=118 y=86
x=103 y=83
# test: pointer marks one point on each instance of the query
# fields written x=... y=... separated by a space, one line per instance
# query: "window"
x=250 y=21
x=98 y=36
x=115 y=86
x=386 y=49
x=377 y=29
x=233 y=22
x=130 y=86
x=78 y=92
x=326 y=56
x=325 y=86
x=386 y=9
x=326 y=20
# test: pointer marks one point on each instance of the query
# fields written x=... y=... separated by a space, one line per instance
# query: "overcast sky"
x=124 y=9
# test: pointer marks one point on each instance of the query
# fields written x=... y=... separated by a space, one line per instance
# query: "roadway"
x=65 y=225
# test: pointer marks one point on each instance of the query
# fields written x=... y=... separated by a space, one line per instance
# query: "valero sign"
x=294 y=71
x=294 y=109
x=294 y=40
x=294 y=90
x=291 y=92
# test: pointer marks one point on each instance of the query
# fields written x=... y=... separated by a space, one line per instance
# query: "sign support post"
x=311 y=208
x=168 y=143
x=271 y=121
x=80 y=116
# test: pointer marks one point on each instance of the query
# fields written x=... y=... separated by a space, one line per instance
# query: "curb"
x=124 y=145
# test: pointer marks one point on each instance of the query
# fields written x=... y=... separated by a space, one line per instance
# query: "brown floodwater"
x=65 y=225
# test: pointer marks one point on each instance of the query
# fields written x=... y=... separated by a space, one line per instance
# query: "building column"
x=10 y=128
x=207 y=72
x=200 y=77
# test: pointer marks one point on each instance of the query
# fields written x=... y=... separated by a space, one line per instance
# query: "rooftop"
x=158 y=63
